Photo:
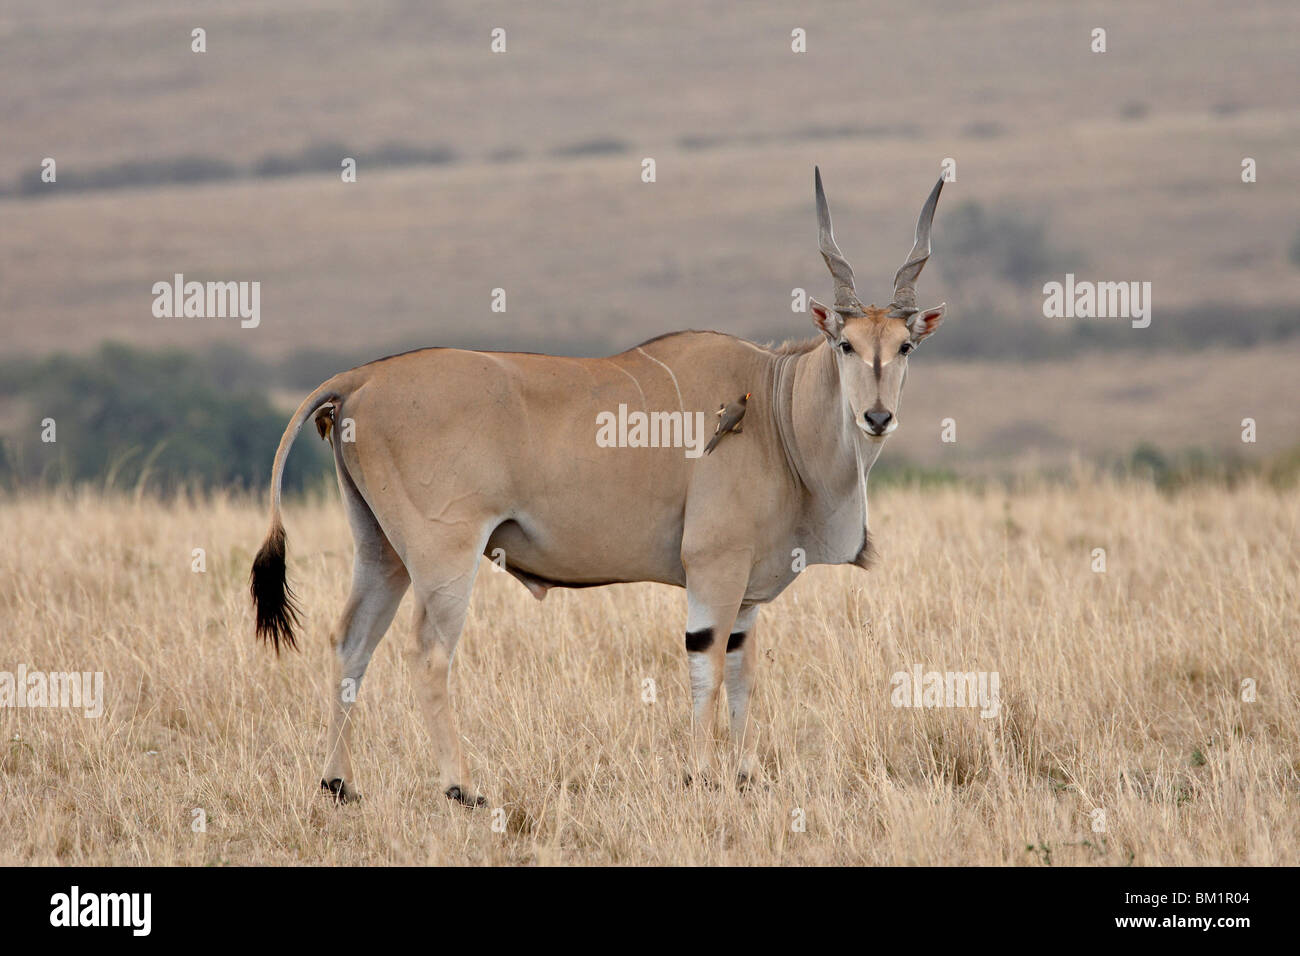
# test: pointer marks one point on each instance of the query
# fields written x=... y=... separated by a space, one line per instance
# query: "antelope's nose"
x=877 y=421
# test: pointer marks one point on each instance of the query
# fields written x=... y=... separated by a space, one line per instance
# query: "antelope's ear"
x=827 y=319
x=924 y=323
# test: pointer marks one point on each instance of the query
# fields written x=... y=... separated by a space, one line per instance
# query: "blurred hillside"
x=521 y=171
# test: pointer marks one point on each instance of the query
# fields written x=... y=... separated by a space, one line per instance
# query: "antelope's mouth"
x=880 y=435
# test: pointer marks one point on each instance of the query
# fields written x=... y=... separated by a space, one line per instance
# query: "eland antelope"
x=454 y=454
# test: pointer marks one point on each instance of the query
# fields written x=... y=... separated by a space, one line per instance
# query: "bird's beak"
x=747 y=394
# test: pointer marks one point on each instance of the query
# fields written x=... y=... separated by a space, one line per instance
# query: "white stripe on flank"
x=638 y=385
x=680 y=405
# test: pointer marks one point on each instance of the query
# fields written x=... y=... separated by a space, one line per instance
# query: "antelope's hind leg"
x=443 y=573
x=379 y=580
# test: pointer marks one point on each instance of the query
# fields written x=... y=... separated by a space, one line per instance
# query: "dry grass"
x=1121 y=692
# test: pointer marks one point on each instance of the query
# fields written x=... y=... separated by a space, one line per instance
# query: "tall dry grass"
x=1121 y=692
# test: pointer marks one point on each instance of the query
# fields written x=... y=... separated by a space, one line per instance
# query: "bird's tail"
x=713 y=442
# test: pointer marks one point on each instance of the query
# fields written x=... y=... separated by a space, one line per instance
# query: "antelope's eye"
x=905 y=348
x=845 y=347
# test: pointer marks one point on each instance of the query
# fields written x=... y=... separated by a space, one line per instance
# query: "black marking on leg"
x=698 y=641
x=339 y=790
x=736 y=641
x=454 y=792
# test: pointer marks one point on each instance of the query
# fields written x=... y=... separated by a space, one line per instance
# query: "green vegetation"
x=159 y=420
x=895 y=472
x=1174 y=471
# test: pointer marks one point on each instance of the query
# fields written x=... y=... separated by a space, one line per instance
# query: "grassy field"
x=1121 y=691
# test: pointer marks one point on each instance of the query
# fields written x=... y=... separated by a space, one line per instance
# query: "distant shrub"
x=326 y=157
x=593 y=147
x=1147 y=461
x=400 y=153
x=162 y=419
x=314 y=158
x=176 y=170
x=1013 y=246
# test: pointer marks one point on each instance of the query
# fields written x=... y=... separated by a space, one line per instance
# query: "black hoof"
x=340 y=791
x=465 y=800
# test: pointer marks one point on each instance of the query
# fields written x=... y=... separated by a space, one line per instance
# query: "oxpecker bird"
x=730 y=416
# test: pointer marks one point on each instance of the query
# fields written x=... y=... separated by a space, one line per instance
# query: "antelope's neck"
x=825 y=451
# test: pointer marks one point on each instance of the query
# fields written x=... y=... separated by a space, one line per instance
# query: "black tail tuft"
x=273 y=601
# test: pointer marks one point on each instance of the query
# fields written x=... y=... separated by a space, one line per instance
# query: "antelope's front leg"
x=712 y=604
x=741 y=658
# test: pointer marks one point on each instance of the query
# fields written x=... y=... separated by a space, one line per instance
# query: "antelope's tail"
x=274 y=604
